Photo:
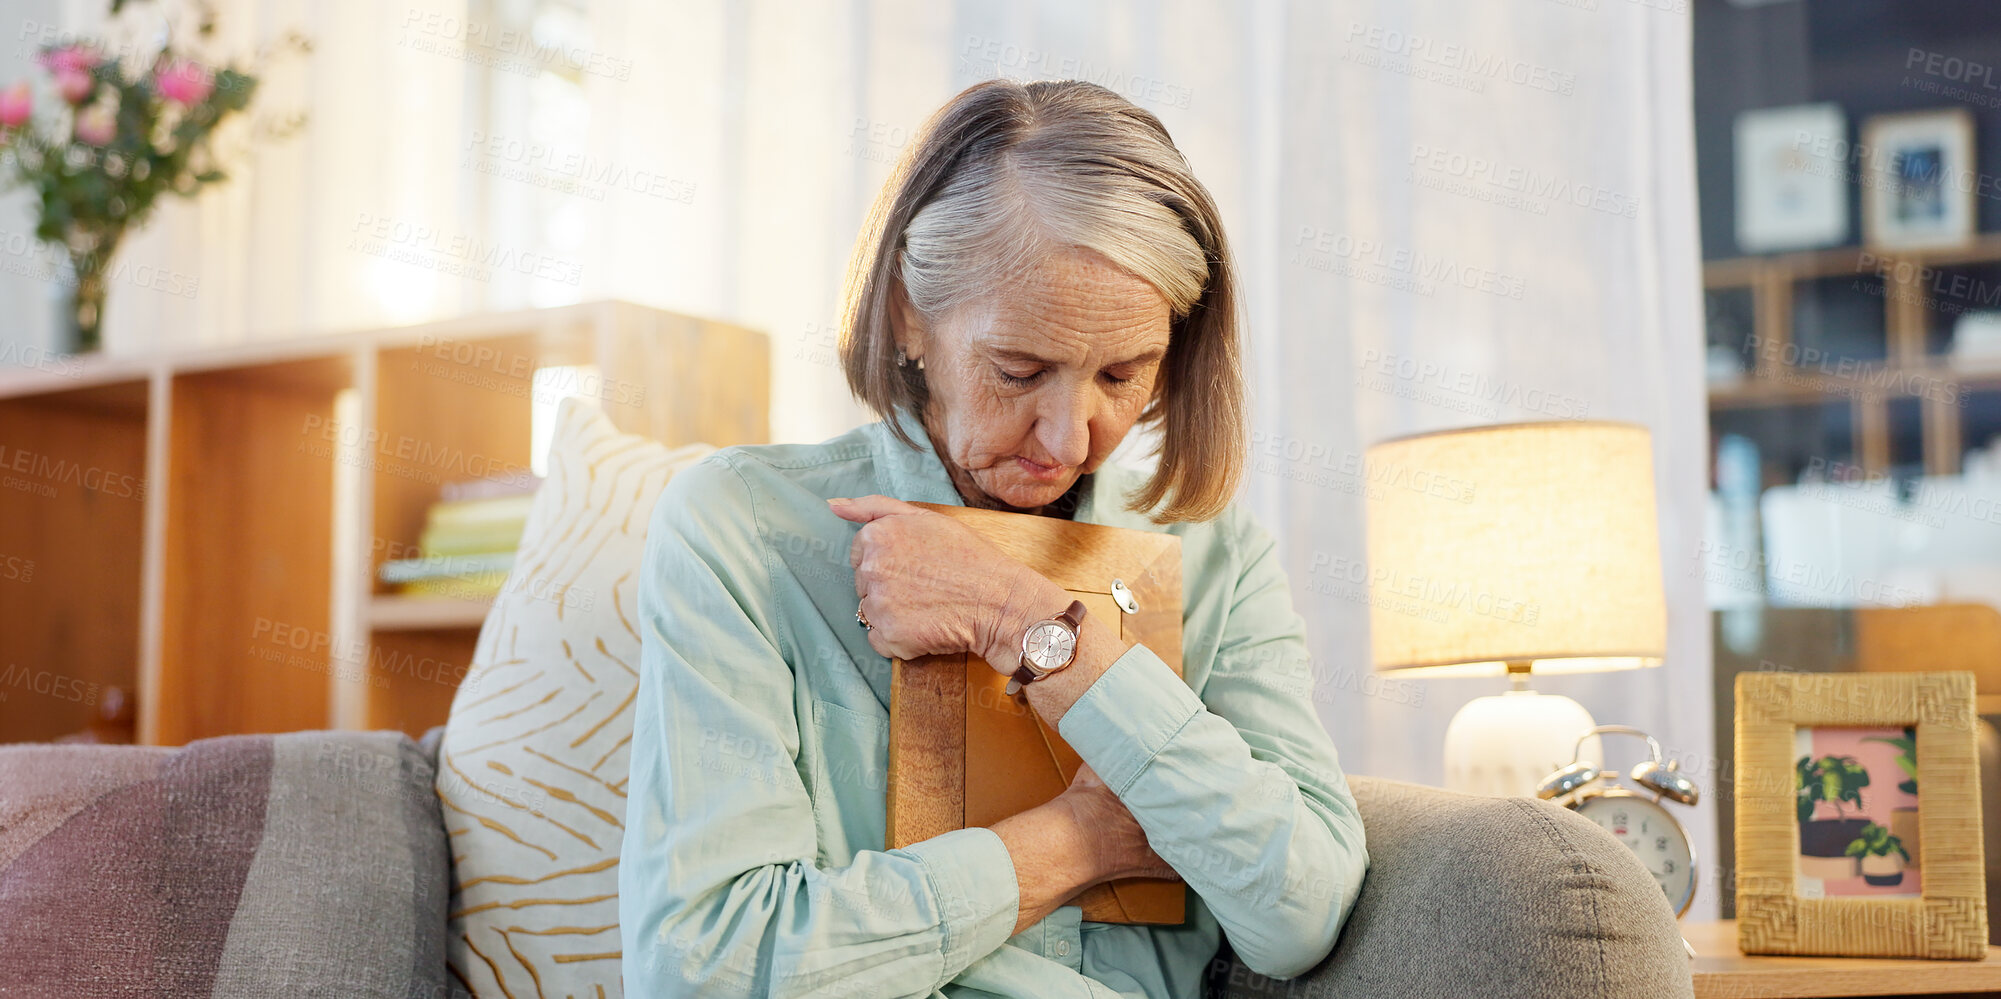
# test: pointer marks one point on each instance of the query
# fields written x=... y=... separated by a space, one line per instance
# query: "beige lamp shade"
x=1515 y=543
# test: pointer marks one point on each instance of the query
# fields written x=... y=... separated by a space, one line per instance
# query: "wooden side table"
x=1723 y=972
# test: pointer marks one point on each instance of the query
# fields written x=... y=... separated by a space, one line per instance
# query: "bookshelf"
x=204 y=528
x=1853 y=341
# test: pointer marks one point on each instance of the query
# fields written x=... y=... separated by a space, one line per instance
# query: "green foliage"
x=91 y=193
x=1907 y=760
x=1830 y=778
x=1876 y=841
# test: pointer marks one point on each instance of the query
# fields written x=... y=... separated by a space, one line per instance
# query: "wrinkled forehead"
x=1070 y=306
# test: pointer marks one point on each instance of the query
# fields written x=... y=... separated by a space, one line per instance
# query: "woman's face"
x=1038 y=384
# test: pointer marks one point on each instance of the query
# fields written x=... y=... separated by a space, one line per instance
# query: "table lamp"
x=1494 y=550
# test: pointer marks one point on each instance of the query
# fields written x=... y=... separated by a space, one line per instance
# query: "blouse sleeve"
x=1240 y=789
x=719 y=890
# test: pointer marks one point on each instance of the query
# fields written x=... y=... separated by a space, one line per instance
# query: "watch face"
x=1653 y=835
x=1049 y=645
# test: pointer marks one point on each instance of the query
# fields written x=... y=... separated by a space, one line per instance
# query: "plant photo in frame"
x=1857 y=795
x=1836 y=855
x=1918 y=179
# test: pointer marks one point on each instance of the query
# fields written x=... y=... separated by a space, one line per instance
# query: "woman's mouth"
x=1040 y=473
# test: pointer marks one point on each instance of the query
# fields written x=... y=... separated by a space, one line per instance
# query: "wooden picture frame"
x=962 y=753
x=1947 y=918
x=1918 y=179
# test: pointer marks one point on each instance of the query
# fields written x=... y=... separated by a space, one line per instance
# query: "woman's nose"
x=1065 y=428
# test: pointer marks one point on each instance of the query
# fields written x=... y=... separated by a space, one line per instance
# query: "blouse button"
x=1062 y=948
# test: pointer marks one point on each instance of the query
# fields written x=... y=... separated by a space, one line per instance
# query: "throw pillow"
x=533 y=768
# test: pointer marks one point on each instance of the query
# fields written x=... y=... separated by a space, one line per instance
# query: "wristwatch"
x=1047 y=646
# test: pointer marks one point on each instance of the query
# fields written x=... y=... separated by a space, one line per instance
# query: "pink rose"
x=185 y=83
x=96 y=125
x=74 y=58
x=75 y=85
x=16 y=104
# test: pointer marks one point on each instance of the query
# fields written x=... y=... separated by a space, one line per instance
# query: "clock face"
x=1049 y=644
x=1653 y=835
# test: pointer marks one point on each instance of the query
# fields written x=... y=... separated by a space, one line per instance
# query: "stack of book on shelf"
x=470 y=536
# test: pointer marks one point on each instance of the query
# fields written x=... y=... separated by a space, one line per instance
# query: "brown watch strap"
x=1072 y=615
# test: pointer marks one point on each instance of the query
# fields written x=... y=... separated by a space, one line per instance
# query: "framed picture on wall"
x=1918 y=179
x=1789 y=178
x=1858 y=815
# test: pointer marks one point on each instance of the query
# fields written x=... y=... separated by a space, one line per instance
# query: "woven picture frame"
x=1949 y=918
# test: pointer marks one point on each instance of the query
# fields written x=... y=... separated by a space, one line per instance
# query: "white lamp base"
x=1506 y=744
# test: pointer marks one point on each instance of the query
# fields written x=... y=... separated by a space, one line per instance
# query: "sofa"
x=483 y=858
x=318 y=863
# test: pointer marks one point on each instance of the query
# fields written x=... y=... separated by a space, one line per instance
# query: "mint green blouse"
x=753 y=859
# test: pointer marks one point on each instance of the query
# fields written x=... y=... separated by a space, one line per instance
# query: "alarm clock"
x=1634 y=818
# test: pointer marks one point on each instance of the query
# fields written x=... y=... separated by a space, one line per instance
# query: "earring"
x=920 y=364
x=903 y=361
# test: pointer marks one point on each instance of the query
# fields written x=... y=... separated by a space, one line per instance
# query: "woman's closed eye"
x=1029 y=379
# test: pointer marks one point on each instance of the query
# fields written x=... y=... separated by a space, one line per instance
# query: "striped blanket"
x=305 y=864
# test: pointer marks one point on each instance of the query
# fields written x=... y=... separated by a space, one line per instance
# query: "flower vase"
x=77 y=295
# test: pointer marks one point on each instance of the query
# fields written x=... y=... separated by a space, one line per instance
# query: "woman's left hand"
x=928 y=584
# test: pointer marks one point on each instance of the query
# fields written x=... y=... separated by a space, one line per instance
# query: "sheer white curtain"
x=1445 y=214
x=1486 y=214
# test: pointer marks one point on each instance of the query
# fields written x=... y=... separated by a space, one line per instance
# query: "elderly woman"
x=1043 y=274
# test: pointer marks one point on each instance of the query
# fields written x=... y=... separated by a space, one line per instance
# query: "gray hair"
x=1007 y=173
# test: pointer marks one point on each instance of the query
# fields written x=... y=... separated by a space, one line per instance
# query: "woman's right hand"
x=1121 y=850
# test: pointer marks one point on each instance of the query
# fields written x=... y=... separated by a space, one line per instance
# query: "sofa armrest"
x=1498 y=898
x=304 y=863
